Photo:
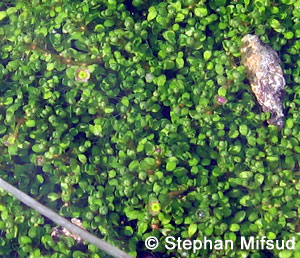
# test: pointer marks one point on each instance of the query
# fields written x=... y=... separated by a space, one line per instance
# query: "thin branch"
x=101 y=244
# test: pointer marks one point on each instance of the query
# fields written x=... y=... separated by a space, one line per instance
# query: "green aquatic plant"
x=105 y=105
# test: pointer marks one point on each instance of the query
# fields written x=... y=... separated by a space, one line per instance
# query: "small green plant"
x=136 y=118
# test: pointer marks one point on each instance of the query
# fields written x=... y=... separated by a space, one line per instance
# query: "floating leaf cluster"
x=108 y=105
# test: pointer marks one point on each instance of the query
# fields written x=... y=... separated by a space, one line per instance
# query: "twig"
x=106 y=247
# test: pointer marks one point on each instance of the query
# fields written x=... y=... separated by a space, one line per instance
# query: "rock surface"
x=265 y=76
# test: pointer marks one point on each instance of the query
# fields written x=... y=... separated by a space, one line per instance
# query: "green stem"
x=63 y=59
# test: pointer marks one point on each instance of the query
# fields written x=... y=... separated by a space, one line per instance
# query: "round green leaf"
x=152 y=13
x=192 y=229
x=201 y=12
x=234 y=227
x=3 y=14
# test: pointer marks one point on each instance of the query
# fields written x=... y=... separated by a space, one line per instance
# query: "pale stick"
x=101 y=244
